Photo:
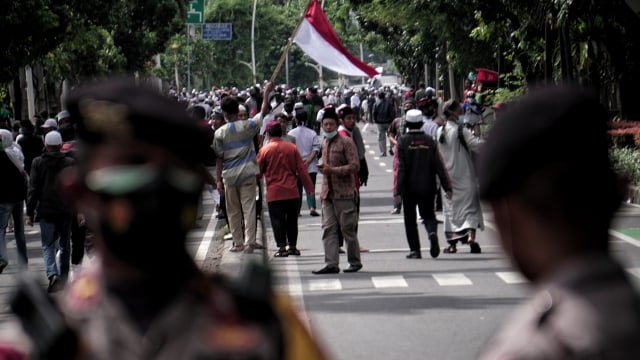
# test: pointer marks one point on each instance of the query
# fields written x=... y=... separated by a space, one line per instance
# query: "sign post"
x=195 y=12
x=217 y=31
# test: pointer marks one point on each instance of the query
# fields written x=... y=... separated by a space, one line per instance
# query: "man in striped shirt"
x=237 y=169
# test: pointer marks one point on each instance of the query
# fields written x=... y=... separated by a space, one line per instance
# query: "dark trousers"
x=425 y=205
x=78 y=239
x=284 y=221
x=259 y=201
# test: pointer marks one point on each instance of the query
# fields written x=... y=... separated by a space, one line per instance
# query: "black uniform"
x=419 y=163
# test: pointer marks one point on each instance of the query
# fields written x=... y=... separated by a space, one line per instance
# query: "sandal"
x=293 y=251
x=281 y=253
x=237 y=248
x=451 y=249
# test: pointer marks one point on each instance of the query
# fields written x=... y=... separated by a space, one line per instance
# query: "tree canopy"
x=591 y=42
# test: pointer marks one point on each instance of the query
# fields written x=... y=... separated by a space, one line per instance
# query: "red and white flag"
x=316 y=38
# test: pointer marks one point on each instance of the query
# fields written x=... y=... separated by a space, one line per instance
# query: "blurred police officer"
x=553 y=193
x=138 y=181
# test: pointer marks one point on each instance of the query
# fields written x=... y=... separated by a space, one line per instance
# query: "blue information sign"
x=217 y=31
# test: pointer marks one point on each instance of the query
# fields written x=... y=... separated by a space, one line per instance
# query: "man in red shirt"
x=281 y=165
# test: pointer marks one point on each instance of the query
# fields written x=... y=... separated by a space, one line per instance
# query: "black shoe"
x=327 y=270
x=3 y=264
x=353 y=268
x=414 y=255
x=391 y=152
x=475 y=248
x=383 y=154
x=435 y=247
x=54 y=284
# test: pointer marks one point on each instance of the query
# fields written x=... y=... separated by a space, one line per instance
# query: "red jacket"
x=281 y=165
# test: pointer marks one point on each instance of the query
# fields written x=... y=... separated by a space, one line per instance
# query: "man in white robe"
x=462 y=213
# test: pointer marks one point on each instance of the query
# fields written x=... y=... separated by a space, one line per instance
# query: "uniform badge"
x=106 y=118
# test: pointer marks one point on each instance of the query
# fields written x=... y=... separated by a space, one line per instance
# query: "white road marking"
x=325 y=285
x=376 y=158
x=511 y=277
x=634 y=271
x=371 y=152
x=625 y=238
x=388 y=170
x=454 y=279
x=382 y=164
x=203 y=249
x=388 y=281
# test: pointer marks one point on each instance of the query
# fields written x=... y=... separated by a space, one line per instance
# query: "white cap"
x=50 y=123
x=63 y=115
x=414 y=116
x=53 y=138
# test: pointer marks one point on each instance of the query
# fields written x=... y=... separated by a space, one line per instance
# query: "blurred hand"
x=448 y=195
x=81 y=219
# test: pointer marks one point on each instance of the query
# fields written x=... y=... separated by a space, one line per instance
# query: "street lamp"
x=251 y=66
x=319 y=70
x=253 y=72
x=174 y=47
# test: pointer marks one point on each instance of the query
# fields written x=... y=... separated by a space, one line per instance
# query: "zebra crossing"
x=339 y=283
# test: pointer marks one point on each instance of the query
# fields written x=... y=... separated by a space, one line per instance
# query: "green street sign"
x=195 y=12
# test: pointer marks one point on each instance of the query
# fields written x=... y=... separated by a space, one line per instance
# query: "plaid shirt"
x=341 y=155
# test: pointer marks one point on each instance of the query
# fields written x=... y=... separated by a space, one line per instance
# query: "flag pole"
x=286 y=49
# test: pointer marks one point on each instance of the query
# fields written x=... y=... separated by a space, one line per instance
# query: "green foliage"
x=626 y=161
x=75 y=39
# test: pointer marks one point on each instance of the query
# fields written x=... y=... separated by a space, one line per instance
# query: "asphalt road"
x=394 y=308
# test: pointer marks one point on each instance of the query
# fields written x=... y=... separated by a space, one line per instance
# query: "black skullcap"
x=560 y=127
x=329 y=112
x=345 y=111
x=120 y=109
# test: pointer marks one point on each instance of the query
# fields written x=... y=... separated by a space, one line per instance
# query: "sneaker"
x=341 y=251
x=228 y=236
x=3 y=264
x=54 y=284
x=395 y=211
x=313 y=212
x=475 y=248
x=384 y=154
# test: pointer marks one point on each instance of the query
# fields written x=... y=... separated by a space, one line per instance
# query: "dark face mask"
x=147 y=227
